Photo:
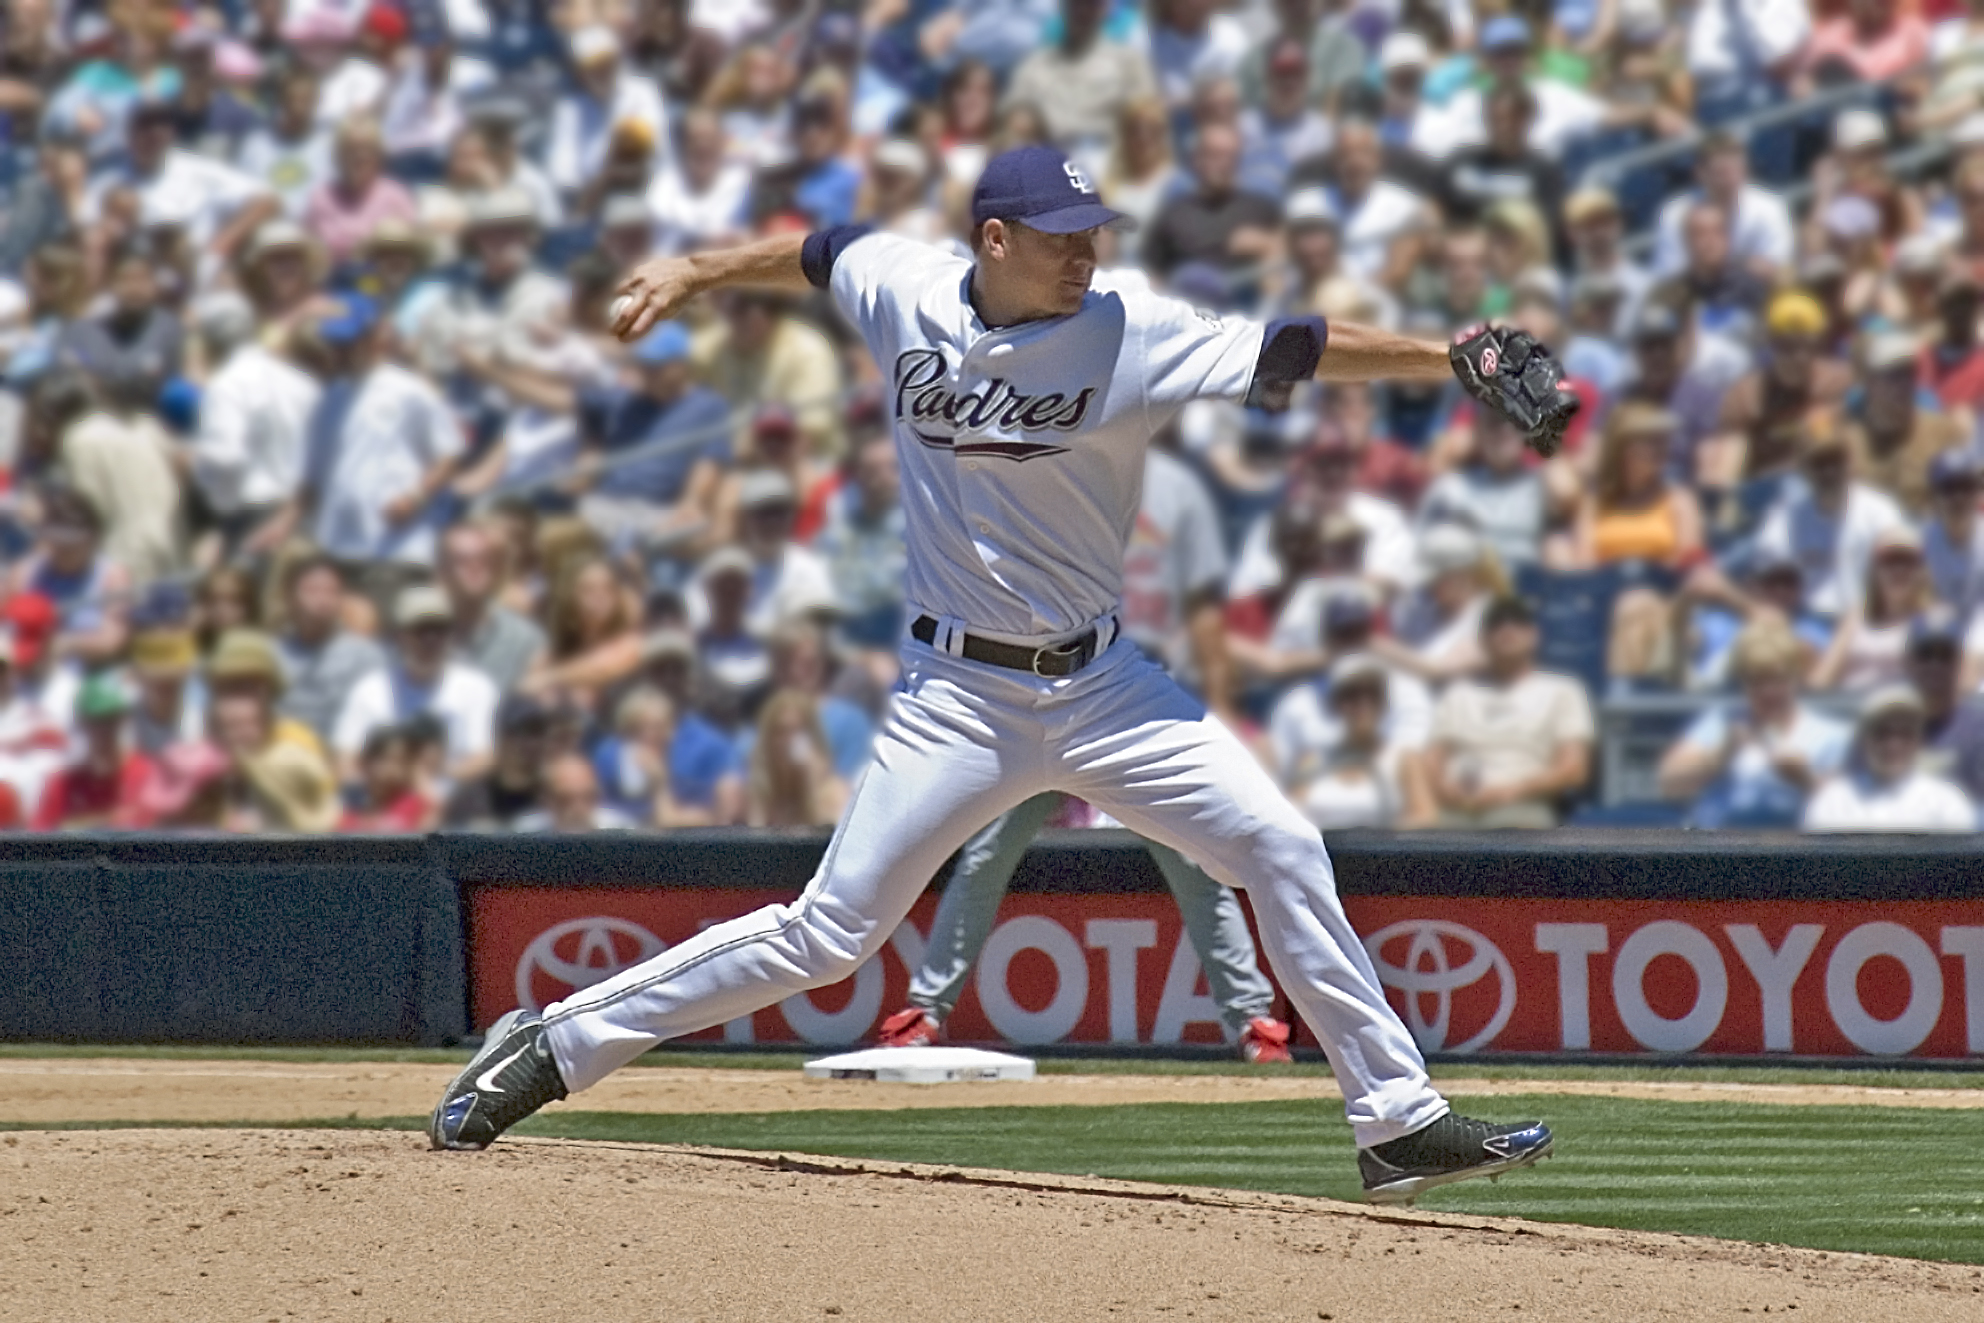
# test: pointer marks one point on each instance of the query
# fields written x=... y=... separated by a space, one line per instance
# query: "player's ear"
x=992 y=240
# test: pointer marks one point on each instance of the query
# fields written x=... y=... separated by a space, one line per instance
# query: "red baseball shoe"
x=912 y=1027
x=1264 y=1041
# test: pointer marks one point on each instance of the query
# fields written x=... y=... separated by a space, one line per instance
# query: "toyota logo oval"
x=1428 y=970
x=579 y=953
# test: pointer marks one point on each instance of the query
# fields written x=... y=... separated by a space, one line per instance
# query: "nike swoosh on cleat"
x=486 y=1081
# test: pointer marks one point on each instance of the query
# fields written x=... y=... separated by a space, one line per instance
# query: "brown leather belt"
x=1048 y=663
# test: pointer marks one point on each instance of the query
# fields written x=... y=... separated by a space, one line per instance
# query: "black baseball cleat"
x=1453 y=1148
x=511 y=1077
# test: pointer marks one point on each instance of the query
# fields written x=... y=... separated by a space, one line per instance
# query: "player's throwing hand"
x=1512 y=373
x=653 y=292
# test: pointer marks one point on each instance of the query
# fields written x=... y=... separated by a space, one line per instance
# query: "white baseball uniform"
x=1022 y=467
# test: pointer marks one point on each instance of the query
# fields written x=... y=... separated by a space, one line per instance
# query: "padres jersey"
x=1023 y=446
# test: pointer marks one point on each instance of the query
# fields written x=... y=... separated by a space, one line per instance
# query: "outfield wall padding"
x=410 y=940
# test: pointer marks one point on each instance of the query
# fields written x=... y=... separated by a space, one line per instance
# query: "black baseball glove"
x=1510 y=372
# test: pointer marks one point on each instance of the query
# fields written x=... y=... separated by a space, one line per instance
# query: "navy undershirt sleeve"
x=1290 y=349
x=824 y=247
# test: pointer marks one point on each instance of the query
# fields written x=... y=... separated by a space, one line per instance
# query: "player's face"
x=1051 y=270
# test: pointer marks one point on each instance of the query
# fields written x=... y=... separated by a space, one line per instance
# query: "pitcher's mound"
x=273 y=1224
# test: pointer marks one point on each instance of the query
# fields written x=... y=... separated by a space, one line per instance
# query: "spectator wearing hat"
x=773 y=443
x=501 y=643
x=321 y=659
x=514 y=784
x=1767 y=413
x=1762 y=238
x=279 y=778
x=1953 y=718
x=100 y=788
x=698 y=199
x=1324 y=484
x=498 y=301
x=1883 y=787
x=391 y=801
x=817 y=185
x=1596 y=230
x=212 y=204
x=1895 y=438
x=611 y=115
x=135 y=345
x=84 y=593
x=1508 y=747
x=1316 y=280
x=1081 y=83
x=1829 y=524
x=289 y=155
x=1868 y=648
x=1753 y=762
x=281 y=270
x=497 y=120
x=1953 y=534
x=1218 y=222
x=172 y=698
x=360 y=196
x=383 y=447
x=1559 y=113
x=789 y=581
x=900 y=197
x=1190 y=40
x=861 y=543
x=255 y=410
x=760 y=353
x=34 y=742
x=1436 y=627
x=422 y=677
x=1345 y=625
x=1678 y=367
x=1408 y=119
x=1353 y=768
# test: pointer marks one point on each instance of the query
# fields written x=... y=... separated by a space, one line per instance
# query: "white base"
x=921 y=1065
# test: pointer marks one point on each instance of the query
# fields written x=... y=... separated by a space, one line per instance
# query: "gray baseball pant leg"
x=1214 y=921
x=970 y=904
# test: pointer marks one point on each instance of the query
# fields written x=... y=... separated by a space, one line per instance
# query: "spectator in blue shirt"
x=705 y=765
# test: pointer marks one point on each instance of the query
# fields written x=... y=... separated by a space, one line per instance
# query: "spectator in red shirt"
x=1953 y=366
x=393 y=802
x=102 y=789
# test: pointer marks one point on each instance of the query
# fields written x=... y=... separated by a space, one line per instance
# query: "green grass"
x=790 y=1058
x=1862 y=1179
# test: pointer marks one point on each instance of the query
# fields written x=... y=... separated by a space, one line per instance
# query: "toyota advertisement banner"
x=1470 y=975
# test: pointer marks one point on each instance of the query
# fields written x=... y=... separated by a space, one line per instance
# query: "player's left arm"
x=1503 y=368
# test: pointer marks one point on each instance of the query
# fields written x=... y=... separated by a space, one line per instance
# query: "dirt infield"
x=170 y=1225
x=46 y=1090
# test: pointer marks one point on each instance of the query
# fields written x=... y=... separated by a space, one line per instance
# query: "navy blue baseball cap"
x=1044 y=190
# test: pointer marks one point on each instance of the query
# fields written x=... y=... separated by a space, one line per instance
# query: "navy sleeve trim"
x=1290 y=349
x=824 y=247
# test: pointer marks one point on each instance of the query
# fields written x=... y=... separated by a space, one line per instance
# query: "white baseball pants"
x=964 y=743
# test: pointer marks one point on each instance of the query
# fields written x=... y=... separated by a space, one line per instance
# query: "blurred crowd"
x=330 y=505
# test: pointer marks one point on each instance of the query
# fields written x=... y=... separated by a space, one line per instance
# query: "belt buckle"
x=1072 y=648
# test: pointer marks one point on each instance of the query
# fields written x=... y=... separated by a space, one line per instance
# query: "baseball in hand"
x=618 y=309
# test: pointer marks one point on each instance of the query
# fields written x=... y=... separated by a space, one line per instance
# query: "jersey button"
x=971 y=464
x=985 y=528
